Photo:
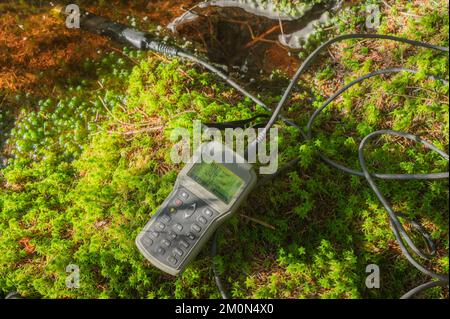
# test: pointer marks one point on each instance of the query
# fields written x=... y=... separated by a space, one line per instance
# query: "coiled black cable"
x=397 y=227
x=315 y=53
x=399 y=231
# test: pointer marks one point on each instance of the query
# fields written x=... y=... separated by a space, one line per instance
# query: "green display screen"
x=217 y=179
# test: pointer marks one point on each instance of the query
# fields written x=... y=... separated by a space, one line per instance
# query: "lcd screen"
x=217 y=179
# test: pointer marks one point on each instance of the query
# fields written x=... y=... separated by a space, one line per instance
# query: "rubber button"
x=184 y=244
x=208 y=212
x=165 y=242
x=196 y=228
x=191 y=236
x=178 y=202
x=160 y=250
x=146 y=241
x=190 y=210
x=184 y=194
x=178 y=252
x=178 y=227
x=160 y=226
x=172 y=260
x=154 y=234
x=165 y=218
x=172 y=235
x=202 y=220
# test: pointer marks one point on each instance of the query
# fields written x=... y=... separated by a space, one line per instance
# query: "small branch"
x=262 y=36
x=110 y=113
x=144 y=130
x=258 y=221
x=402 y=13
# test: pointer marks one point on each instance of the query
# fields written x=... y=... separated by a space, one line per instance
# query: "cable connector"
x=162 y=48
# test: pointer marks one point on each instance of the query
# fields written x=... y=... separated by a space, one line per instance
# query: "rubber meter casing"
x=204 y=196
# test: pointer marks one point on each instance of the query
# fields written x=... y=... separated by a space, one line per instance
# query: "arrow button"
x=190 y=210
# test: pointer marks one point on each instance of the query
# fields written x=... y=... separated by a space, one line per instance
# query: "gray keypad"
x=178 y=227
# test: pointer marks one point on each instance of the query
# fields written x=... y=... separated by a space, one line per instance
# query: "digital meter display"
x=217 y=179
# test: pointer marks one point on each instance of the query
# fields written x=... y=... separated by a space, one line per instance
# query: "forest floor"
x=84 y=138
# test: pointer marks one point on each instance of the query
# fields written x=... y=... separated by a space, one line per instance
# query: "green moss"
x=84 y=176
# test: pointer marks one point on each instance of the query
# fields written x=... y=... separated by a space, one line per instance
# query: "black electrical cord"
x=315 y=53
x=397 y=227
x=232 y=83
x=400 y=233
x=223 y=292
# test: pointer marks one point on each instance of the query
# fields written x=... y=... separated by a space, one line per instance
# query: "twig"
x=258 y=222
x=163 y=58
x=262 y=36
x=414 y=97
x=147 y=129
x=110 y=113
x=402 y=13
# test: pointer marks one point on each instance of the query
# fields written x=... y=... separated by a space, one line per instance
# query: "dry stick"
x=119 y=120
x=163 y=58
x=147 y=129
x=282 y=34
x=262 y=36
x=403 y=13
x=280 y=23
x=110 y=113
x=332 y=55
x=414 y=97
x=3 y=99
x=258 y=222
x=191 y=10
x=241 y=22
x=268 y=41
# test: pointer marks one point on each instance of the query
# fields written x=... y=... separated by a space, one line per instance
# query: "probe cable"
x=399 y=232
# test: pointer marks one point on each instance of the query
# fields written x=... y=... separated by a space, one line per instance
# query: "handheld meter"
x=206 y=193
